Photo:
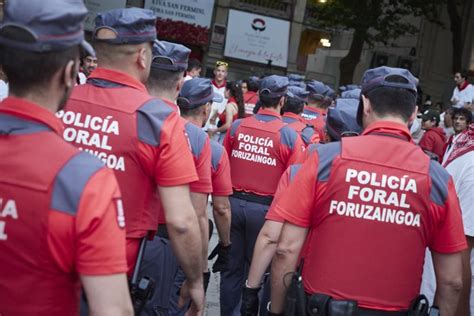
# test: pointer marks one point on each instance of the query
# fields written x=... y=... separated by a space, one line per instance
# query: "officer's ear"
x=144 y=56
x=180 y=84
x=413 y=117
x=282 y=101
x=367 y=106
x=70 y=73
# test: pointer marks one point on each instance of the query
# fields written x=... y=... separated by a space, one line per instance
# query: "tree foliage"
x=373 y=21
x=383 y=21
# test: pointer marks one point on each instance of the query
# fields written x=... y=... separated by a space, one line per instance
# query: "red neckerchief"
x=463 y=86
x=214 y=83
x=463 y=144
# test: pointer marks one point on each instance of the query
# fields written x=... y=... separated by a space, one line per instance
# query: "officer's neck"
x=163 y=94
x=194 y=120
x=276 y=110
x=373 y=118
x=315 y=105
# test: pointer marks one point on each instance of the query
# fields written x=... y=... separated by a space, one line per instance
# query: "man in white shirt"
x=446 y=122
x=218 y=84
x=463 y=94
x=459 y=162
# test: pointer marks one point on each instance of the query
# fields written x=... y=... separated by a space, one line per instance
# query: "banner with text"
x=185 y=21
x=257 y=38
x=96 y=6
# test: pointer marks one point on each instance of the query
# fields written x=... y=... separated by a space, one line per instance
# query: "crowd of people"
x=347 y=202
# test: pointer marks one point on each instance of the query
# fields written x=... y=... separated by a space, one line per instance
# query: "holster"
x=324 y=305
x=295 y=300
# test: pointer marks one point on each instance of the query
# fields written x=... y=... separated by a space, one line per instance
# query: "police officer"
x=318 y=101
x=196 y=114
x=141 y=138
x=343 y=123
x=165 y=81
x=296 y=80
x=352 y=94
x=57 y=232
x=251 y=96
x=292 y=110
x=260 y=148
x=390 y=201
x=195 y=101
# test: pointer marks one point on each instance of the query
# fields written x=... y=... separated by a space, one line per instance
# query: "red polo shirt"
x=85 y=239
x=372 y=203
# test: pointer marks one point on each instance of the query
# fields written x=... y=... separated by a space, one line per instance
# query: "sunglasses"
x=222 y=63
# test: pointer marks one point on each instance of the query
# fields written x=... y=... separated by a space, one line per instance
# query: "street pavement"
x=212 y=296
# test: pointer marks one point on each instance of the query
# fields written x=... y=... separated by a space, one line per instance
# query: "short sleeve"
x=292 y=148
x=221 y=179
x=449 y=235
x=100 y=227
x=203 y=169
x=296 y=205
x=174 y=164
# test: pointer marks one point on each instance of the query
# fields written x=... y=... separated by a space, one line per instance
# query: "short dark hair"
x=450 y=110
x=193 y=63
x=268 y=102
x=464 y=112
x=322 y=101
x=162 y=79
x=252 y=85
x=191 y=112
x=393 y=101
x=435 y=119
x=293 y=105
x=464 y=73
x=32 y=70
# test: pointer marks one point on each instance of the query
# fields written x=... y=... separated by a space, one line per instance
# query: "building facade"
x=258 y=37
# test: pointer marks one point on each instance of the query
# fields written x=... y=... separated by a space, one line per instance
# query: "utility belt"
x=299 y=303
x=141 y=287
x=324 y=305
x=251 y=197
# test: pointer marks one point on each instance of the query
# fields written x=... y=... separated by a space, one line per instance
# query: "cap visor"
x=359 y=112
x=88 y=48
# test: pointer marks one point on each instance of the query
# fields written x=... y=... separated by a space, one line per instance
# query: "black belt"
x=251 y=197
x=373 y=312
x=322 y=305
x=162 y=231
